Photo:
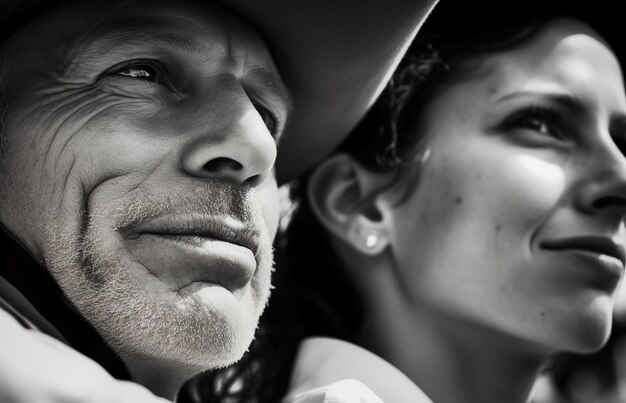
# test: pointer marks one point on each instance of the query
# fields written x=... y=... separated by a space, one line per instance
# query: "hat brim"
x=335 y=56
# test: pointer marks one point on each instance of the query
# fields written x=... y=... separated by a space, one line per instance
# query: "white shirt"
x=321 y=361
x=37 y=367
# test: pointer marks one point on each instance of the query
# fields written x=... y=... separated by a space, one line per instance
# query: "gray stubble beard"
x=98 y=283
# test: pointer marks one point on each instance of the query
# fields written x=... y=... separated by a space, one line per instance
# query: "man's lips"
x=182 y=250
x=226 y=229
x=591 y=244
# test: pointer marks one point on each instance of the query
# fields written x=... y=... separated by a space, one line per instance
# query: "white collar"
x=321 y=361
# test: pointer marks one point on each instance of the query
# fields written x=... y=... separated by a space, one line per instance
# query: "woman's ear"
x=345 y=197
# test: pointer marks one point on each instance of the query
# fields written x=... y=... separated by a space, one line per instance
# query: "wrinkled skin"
x=141 y=139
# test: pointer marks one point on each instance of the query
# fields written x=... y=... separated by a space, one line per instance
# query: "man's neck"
x=43 y=293
x=161 y=378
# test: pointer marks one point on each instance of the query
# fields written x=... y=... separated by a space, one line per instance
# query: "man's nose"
x=232 y=143
x=604 y=190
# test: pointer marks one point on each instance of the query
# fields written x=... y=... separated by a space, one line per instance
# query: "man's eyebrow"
x=269 y=81
x=130 y=32
x=126 y=38
x=154 y=30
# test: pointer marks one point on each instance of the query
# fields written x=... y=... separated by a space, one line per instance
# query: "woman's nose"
x=232 y=142
x=604 y=190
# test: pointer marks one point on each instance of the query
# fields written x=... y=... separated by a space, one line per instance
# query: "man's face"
x=139 y=169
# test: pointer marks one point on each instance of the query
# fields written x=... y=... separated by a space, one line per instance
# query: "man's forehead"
x=203 y=32
x=179 y=25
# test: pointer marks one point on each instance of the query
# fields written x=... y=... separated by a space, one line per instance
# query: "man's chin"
x=201 y=326
x=205 y=328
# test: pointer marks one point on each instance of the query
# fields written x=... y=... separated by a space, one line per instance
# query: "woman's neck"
x=452 y=361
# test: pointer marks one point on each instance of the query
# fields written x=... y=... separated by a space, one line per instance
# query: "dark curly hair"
x=313 y=295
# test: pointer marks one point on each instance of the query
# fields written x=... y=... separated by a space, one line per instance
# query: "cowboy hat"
x=334 y=55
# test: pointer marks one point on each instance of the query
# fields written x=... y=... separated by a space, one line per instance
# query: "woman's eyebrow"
x=567 y=101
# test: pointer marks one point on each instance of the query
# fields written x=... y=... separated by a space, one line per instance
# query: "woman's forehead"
x=565 y=57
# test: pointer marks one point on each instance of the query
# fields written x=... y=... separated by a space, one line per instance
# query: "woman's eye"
x=268 y=118
x=537 y=124
x=537 y=119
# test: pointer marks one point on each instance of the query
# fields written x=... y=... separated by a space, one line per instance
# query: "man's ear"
x=346 y=198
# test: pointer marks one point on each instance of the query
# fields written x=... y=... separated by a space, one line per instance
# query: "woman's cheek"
x=532 y=186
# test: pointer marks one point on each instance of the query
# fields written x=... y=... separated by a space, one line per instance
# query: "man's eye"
x=541 y=120
x=140 y=71
x=268 y=118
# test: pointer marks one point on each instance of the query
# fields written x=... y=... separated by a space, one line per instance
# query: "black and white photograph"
x=316 y=201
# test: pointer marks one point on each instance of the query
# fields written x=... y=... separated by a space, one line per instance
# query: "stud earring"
x=371 y=240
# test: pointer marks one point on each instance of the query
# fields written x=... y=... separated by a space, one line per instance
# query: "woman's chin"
x=587 y=331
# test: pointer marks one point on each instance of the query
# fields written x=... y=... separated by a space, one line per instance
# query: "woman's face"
x=517 y=223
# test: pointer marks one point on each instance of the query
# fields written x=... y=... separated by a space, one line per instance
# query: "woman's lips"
x=180 y=251
x=600 y=252
x=591 y=244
